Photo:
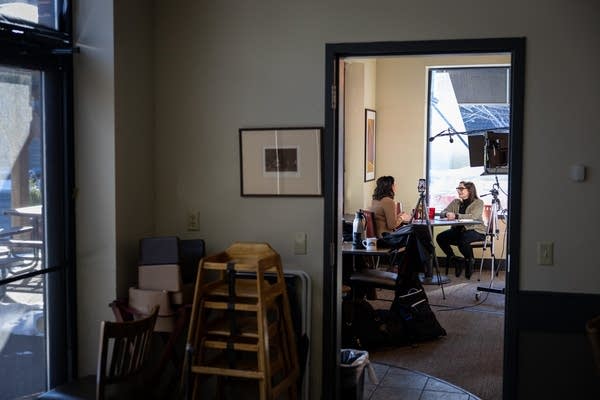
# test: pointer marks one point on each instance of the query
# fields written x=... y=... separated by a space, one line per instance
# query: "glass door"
x=22 y=302
x=34 y=211
x=37 y=282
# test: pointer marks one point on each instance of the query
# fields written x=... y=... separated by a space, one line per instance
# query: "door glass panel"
x=22 y=301
x=38 y=12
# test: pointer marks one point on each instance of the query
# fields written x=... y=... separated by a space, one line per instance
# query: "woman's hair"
x=472 y=190
x=384 y=187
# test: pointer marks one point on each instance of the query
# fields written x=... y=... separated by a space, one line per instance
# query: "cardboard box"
x=165 y=324
x=159 y=250
x=144 y=300
x=191 y=252
x=185 y=295
x=160 y=277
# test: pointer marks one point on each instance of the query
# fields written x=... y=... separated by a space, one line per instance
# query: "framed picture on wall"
x=280 y=162
x=370 y=126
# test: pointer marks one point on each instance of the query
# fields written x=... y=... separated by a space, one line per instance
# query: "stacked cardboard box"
x=160 y=278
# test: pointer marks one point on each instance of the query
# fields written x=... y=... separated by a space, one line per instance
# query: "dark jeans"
x=458 y=237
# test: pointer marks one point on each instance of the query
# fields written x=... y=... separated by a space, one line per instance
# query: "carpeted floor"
x=470 y=356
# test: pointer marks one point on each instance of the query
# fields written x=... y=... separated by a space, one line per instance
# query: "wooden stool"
x=241 y=324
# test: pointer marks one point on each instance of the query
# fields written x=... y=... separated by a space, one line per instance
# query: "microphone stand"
x=446 y=132
x=491 y=234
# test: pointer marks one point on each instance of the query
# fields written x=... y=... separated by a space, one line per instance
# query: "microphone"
x=451 y=140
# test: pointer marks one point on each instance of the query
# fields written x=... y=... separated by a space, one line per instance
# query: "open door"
x=334 y=184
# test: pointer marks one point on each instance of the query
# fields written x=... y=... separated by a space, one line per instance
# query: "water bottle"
x=358 y=229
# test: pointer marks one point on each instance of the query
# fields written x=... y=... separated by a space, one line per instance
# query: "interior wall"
x=221 y=66
x=361 y=81
x=134 y=135
x=354 y=143
x=95 y=210
x=225 y=65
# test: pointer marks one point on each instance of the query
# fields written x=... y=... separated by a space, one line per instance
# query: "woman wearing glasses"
x=467 y=206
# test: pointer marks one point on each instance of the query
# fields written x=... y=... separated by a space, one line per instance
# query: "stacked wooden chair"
x=241 y=325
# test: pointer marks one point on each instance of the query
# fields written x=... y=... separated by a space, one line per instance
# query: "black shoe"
x=458 y=267
x=469 y=264
x=448 y=262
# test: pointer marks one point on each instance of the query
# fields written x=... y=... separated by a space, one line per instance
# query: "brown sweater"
x=386 y=219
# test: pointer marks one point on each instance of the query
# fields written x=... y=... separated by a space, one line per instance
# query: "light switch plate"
x=545 y=253
x=300 y=243
x=193 y=221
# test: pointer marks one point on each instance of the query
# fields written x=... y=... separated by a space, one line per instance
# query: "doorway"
x=334 y=145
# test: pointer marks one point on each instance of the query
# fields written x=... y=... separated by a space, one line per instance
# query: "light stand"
x=428 y=278
x=491 y=235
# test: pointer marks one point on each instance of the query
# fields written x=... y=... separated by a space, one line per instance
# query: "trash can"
x=352 y=373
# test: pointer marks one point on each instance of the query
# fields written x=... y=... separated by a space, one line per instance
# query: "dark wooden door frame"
x=332 y=142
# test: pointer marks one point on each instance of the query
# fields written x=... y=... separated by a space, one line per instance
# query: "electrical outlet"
x=545 y=253
x=300 y=243
x=193 y=222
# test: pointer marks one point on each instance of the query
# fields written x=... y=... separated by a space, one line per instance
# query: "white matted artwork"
x=280 y=161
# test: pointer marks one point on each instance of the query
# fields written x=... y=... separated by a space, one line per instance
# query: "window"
x=36 y=224
x=465 y=103
x=30 y=12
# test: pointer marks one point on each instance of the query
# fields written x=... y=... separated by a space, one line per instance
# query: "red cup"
x=487 y=211
x=431 y=212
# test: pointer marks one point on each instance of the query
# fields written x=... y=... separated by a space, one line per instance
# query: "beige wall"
x=220 y=66
x=134 y=141
x=361 y=80
x=95 y=208
x=114 y=145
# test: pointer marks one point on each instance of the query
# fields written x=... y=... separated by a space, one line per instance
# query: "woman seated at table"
x=384 y=206
x=467 y=206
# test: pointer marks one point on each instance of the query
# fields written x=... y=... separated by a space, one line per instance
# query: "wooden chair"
x=592 y=330
x=123 y=312
x=370 y=228
x=121 y=360
x=370 y=232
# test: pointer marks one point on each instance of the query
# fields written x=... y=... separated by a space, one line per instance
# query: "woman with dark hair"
x=467 y=206
x=384 y=206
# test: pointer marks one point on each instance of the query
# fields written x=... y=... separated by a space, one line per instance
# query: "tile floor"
x=401 y=383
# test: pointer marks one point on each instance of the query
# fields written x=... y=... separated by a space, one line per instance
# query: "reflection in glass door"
x=22 y=237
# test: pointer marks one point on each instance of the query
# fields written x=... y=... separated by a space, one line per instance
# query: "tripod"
x=491 y=235
x=428 y=278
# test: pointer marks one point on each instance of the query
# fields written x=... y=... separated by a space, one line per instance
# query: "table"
x=348 y=249
x=34 y=213
x=29 y=211
x=429 y=278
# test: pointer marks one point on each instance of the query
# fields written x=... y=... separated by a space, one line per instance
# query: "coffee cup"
x=431 y=212
x=370 y=243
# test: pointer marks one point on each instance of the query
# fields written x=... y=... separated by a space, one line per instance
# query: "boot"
x=448 y=262
x=458 y=267
x=469 y=264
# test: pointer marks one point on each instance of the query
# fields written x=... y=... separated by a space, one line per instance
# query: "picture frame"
x=281 y=161
x=370 y=136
